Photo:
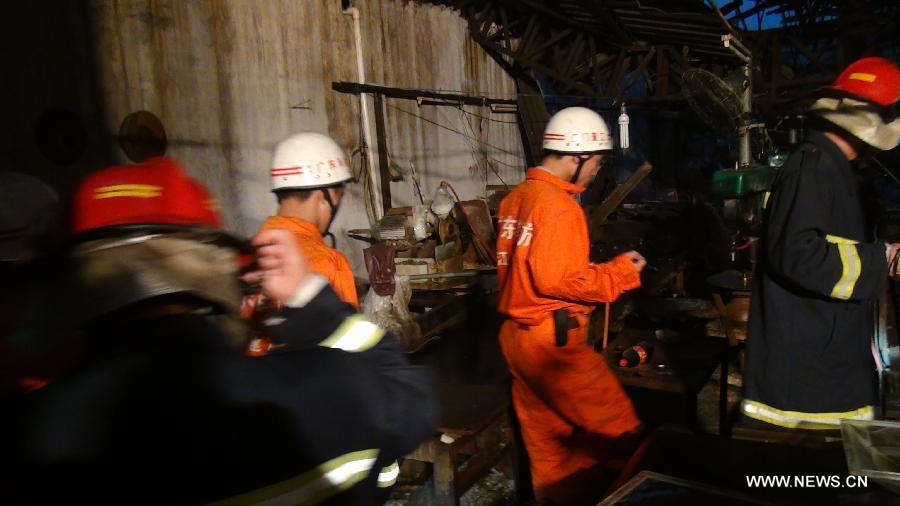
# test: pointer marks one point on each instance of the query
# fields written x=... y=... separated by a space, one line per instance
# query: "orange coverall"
x=566 y=398
x=323 y=260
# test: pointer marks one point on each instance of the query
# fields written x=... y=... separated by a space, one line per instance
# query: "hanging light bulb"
x=624 y=141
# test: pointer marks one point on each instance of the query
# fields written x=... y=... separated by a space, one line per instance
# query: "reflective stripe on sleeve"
x=851 y=267
x=355 y=334
x=388 y=475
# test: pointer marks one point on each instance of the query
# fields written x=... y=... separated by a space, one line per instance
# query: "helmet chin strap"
x=332 y=206
x=582 y=159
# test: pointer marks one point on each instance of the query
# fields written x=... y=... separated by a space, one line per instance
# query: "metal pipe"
x=437 y=275
x=745 y=55
x=744 y=58
x=353 y=12
x=746 y=109
x=730 y=40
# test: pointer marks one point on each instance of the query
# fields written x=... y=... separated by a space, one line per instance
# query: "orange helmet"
x=872 y=79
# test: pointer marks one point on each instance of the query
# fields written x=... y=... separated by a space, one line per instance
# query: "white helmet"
x=577 y=131
x=309 y=160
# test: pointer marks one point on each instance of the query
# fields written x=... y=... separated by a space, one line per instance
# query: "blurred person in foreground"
x=163 y=406
x=29 y=211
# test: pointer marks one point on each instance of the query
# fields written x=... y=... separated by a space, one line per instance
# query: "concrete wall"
x=224 y=77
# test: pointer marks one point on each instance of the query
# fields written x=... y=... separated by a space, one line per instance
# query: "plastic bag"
x=392 y=314
x=420 y=222
x=442 y=203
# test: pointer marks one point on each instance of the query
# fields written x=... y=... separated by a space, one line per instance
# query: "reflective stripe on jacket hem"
x=314 y=486
x=801 y=420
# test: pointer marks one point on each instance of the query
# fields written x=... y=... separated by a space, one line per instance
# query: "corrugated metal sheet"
x=224 y=75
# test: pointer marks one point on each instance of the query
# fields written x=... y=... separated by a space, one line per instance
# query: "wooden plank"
x=533 y=117
x=618 y=195
x=478 y=466
x=444 y=473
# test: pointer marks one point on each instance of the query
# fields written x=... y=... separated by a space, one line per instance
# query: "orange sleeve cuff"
x=624 y=272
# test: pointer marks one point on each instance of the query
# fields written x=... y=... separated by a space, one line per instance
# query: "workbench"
x=475 y=423
x=681 y=368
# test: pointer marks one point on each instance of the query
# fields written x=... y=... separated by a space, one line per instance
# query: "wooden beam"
x=552 y=41
x=635 y=73
x=662 y=74
x=612 y=86
x=530 y=31
x=808 y=53
x=618 y=195
x=575 y=52
x=383 y=167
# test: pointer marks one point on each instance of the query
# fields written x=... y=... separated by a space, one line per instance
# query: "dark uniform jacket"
x=809 y=360
x=163 y=412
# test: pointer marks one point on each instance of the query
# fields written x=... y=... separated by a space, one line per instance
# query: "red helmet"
x=872 y=79
x=154 y=194
x=131 y=223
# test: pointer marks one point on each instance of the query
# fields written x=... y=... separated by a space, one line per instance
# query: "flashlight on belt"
x=561 y=327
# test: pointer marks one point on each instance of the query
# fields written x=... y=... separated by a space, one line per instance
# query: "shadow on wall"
x=52 y=125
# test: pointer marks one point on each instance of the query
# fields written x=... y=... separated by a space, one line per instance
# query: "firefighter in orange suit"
x=566 y=398
x=309 y=171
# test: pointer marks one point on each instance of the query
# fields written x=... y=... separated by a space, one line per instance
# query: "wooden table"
x=682 y=367
x=474 y=422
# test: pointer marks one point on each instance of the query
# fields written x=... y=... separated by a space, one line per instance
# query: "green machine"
x=743 y=194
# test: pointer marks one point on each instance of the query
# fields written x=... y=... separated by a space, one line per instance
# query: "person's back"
x=166 y=414
x=538 y=277
x=323 y=259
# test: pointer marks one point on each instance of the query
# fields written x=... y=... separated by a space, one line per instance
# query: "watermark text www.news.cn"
x=809 y=481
